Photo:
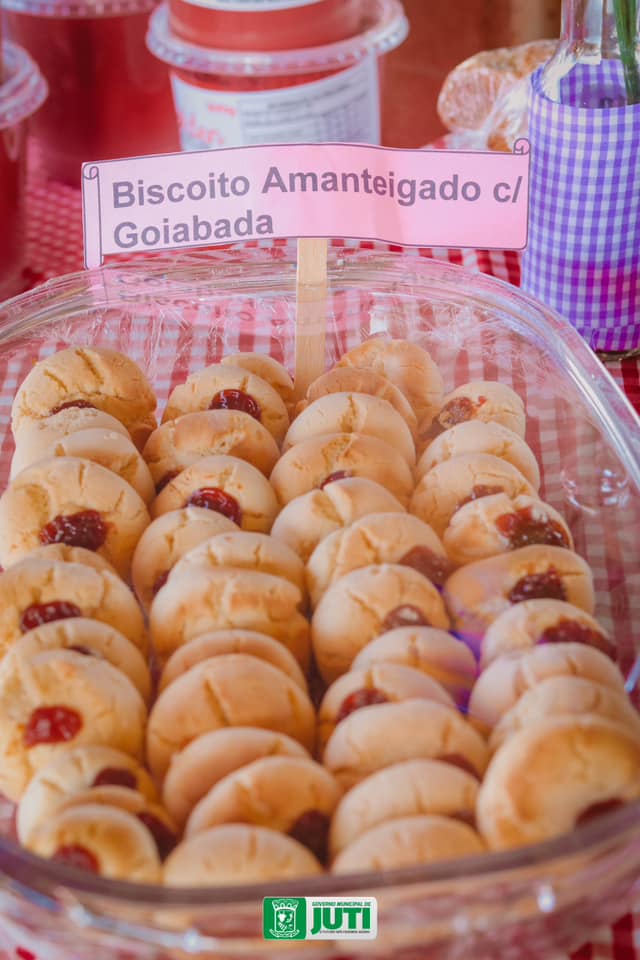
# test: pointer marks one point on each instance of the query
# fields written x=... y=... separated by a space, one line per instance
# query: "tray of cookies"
x=376 y=638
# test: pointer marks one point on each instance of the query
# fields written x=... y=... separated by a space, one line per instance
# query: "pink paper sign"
x=434 y=198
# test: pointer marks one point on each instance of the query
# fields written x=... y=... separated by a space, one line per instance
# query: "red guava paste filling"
x=116 y=777
x=365 y=697
x=39 y=613
x=83 y=404
x=457 y=760
x=456 y=411
x=76 y=856
x=236 y=400
x=336 y=475
x=311 y=829
x=570 y=631
x=459 y=410
x=597 y=810
x=405 y=615
x=160 y=582
x=523 y=528
x=431 y=565
x=479 y=491
x=164 y=481
x=52 y=725
x=164 y=838
x=23 y=954
x=538 y=586
x=84 y=529
x=85 y=651
x=213 y=498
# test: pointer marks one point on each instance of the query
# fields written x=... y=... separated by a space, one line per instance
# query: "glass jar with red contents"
x=108 y=96
x=322 y=83
x=22 y=91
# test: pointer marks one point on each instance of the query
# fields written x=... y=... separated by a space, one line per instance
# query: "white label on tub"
x=344 y=108
x=253 y=6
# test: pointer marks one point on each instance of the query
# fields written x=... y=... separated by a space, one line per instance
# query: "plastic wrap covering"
x=483 y=101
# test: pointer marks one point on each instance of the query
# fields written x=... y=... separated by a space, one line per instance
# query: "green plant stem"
x=626 y=12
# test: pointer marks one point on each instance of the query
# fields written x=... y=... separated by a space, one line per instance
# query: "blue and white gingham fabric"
x=583 y=257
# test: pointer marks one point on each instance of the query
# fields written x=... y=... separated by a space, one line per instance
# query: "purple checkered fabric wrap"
x=583 y=257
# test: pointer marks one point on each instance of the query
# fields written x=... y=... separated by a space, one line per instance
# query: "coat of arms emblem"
x=284 y=919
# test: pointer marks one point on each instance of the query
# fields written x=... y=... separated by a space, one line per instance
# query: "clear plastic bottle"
x=594 y=31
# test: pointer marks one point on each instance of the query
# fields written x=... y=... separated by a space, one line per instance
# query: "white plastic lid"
x=24 y=88
x=386 y=26
x=78 y=9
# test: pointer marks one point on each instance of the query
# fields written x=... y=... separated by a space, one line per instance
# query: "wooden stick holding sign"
x=311 y=313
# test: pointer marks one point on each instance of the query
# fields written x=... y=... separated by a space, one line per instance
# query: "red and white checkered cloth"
x=55 y=247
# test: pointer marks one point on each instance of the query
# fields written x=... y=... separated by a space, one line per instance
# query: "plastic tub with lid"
x=264 y=24
x=174 y=315
x=22 y=92
x=108 y=96
x=323 y=83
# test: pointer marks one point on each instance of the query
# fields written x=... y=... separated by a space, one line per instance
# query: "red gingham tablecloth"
x=55 y=247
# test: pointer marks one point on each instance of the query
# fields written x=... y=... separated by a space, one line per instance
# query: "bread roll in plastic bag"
x=484 y=100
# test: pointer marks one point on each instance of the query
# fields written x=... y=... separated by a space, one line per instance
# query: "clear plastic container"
x=226 y=97
x=108 y=97
x=264 y=24
x=173 y=316
x=22 y=91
